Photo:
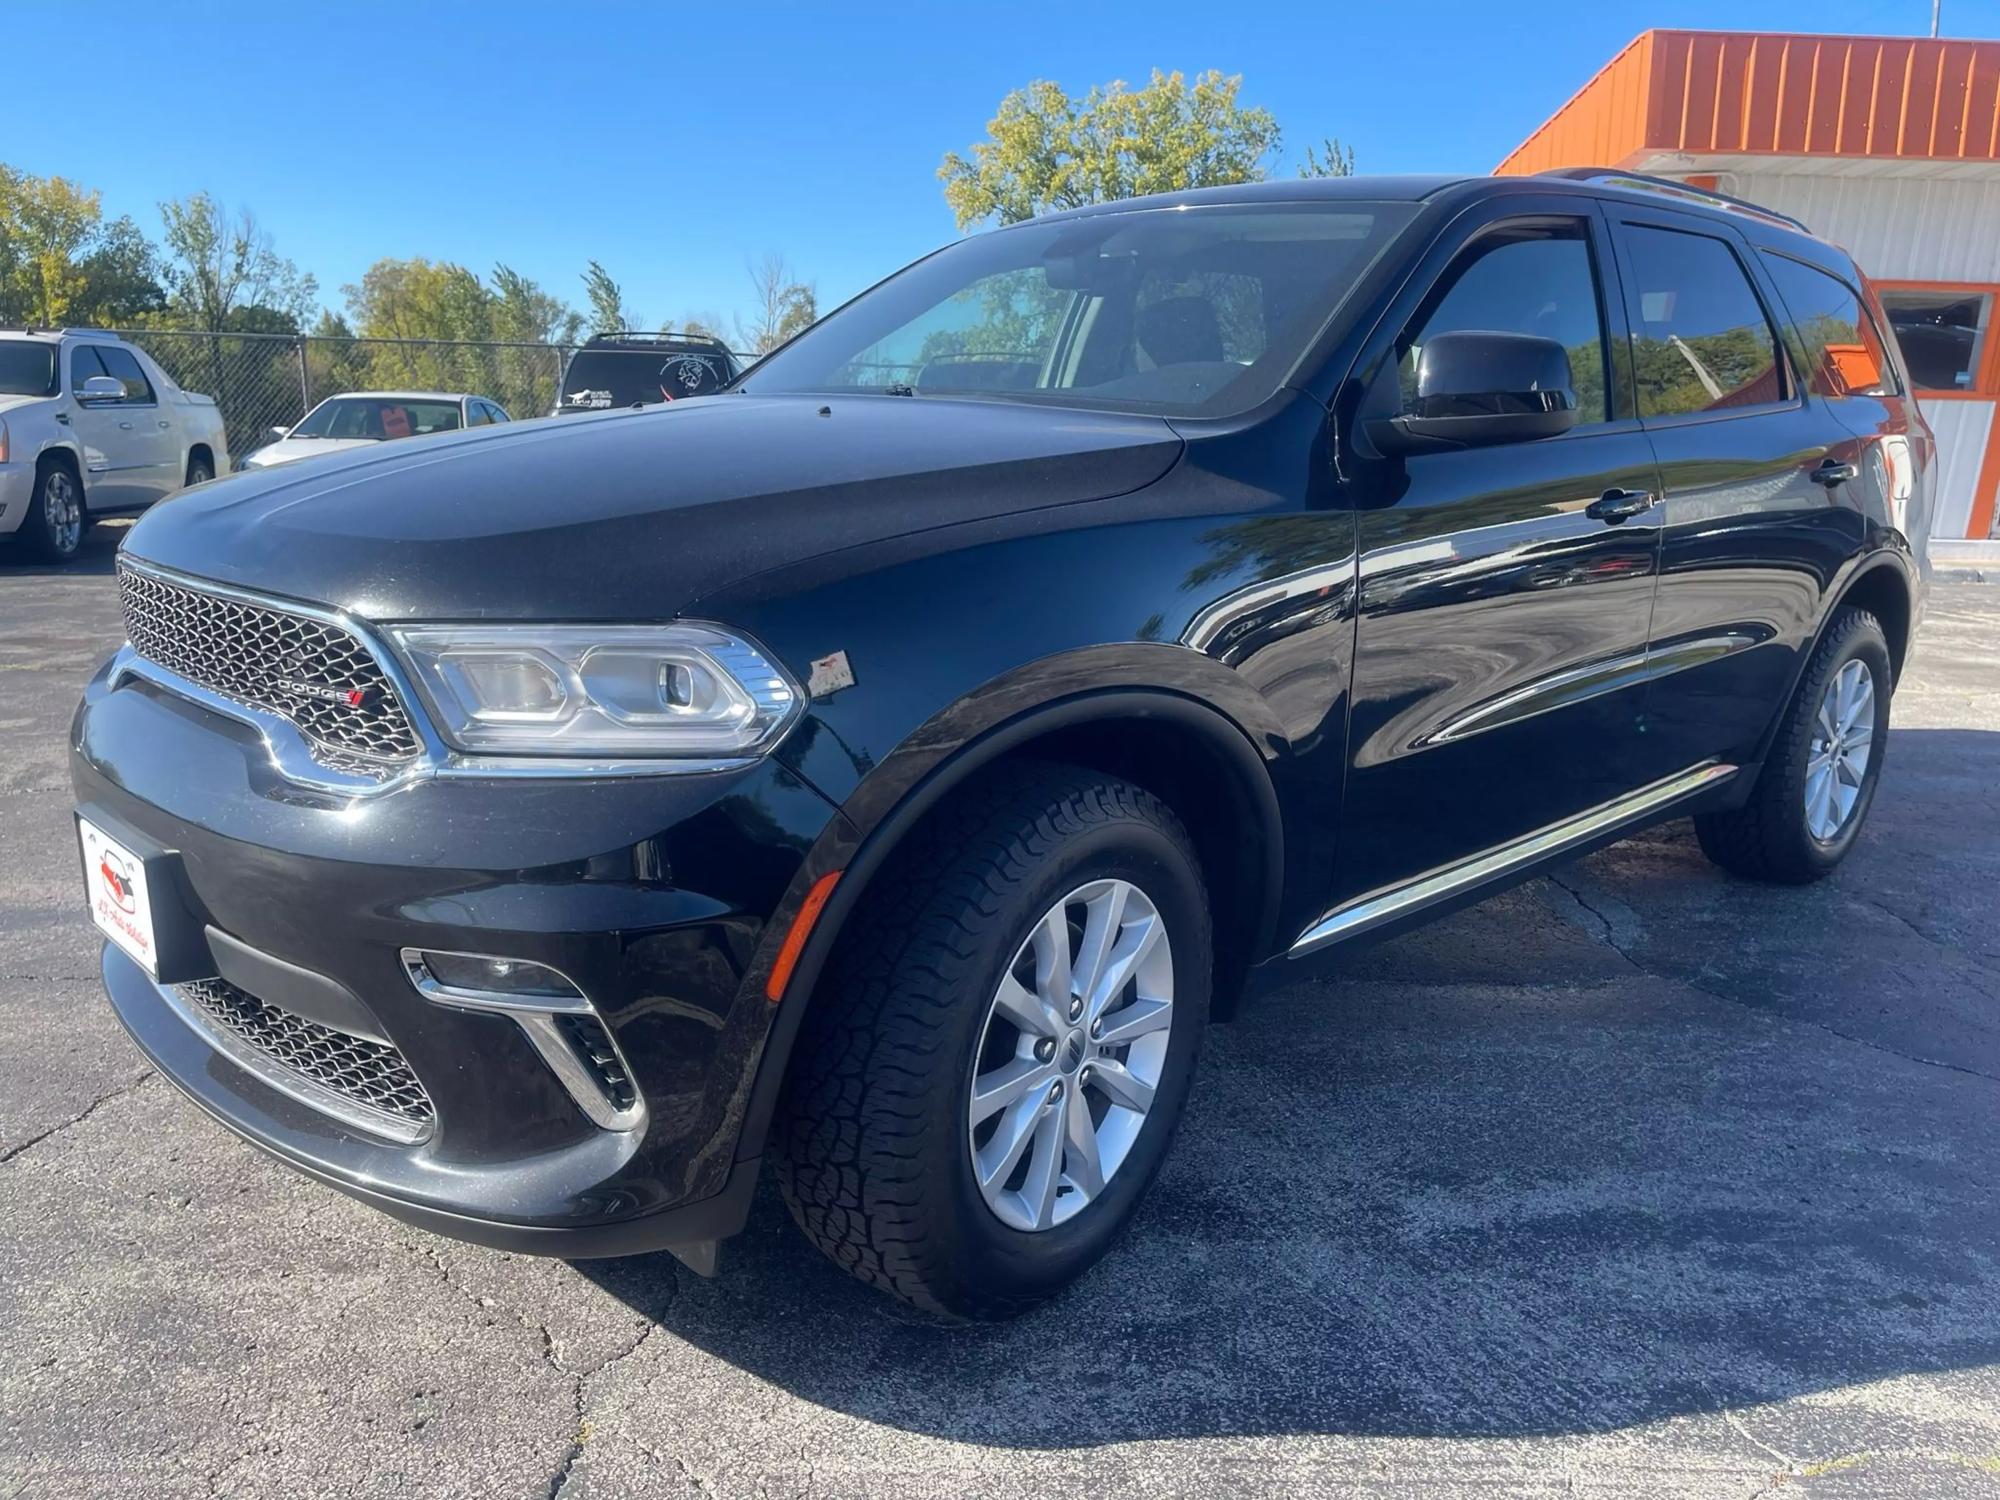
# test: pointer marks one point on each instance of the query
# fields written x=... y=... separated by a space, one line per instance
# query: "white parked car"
x=90 y=427
x=354 y=418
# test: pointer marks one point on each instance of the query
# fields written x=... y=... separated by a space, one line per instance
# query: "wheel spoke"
x=1024 y=1008
x=1038 y=1190
x=1083 y=1163
x=1101 y=931
x=1826 y=822
x=1118 y=1085
x=1138 y=940
x=994 y=1091
x=1052 y=973
x=995 y=1161
x=1134 y=1021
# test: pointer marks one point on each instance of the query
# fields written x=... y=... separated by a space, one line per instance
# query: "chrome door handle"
x=126 y=425
x=166 y=424
x=1832 y=471
x=1614 y=506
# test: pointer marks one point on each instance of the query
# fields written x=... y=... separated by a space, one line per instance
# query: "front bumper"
x=654 y=894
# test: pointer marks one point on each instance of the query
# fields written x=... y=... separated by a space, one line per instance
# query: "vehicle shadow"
x=97 y=558
x=1634 y=1142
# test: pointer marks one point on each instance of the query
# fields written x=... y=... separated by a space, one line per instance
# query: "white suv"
x=89 y=427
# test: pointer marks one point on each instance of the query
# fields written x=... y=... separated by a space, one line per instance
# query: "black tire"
x=43 y=531
x=200 y=471
x=1769 y=837
x=872 y=1143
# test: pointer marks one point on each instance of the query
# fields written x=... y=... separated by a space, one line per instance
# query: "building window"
x=1942 y=335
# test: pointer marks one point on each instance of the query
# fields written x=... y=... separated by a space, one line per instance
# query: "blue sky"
x=676 y=143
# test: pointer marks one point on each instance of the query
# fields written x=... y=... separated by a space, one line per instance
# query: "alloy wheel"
x=1071 y=1053
x=1842 y=742
x=62 y=512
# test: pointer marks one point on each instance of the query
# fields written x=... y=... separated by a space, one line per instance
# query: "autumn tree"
x=45 y=225
x=1046 y=150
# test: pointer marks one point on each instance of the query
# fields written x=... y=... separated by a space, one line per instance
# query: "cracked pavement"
x=1634 y=1181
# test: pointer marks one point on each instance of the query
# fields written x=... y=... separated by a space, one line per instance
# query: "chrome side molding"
x=1377 y=907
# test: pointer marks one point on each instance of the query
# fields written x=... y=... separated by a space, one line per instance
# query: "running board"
x=1370 y=911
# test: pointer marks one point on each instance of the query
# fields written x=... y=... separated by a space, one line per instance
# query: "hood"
x=285 y=450
x=630 y=515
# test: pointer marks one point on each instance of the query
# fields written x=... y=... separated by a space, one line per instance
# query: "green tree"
x=1331 y=160
x=216 y=263
x=45 y=225
x=608 y=312
x=121 y=278
x=1046 y=151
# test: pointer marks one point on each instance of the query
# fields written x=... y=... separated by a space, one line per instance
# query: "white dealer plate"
x=115 y=877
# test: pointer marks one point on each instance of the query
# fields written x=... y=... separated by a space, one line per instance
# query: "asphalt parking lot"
x=1634 y=1181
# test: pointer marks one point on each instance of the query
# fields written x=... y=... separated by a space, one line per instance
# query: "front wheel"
x=1819 y=778
x=993 y=1068
x=56 y=520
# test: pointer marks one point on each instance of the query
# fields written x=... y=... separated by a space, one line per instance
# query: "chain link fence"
x=266 y=380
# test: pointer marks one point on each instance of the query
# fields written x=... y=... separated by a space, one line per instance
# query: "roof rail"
x=109 y=333
x=640 y=335
x=1613 y=176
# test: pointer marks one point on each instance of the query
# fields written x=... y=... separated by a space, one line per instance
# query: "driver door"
x=1503 y=608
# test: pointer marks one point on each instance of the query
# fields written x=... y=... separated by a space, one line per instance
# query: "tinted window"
x=1700 y=340
x=1537 y=281
x=598 y=379
x=496 y=413
x=27 y=369
x=1942 y=335
x=1199 y=311
x=121 y=366
x=83 y=363
x=476 y=414
x=1839 y=346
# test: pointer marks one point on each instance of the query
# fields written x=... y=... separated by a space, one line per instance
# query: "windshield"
x=377 y=417
x=598 y=379
x=1192 y=312
x=27 y=369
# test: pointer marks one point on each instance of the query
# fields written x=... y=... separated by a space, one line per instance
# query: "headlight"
x=680 y=690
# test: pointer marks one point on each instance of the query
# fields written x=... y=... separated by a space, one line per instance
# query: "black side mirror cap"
x=1475 y=389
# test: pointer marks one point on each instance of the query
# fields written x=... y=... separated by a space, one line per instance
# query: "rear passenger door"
x=1755 y=479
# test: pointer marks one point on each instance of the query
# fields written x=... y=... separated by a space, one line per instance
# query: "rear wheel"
x=200 y=470
x=56 y=520
x=1820 y=776
x=994 y=1065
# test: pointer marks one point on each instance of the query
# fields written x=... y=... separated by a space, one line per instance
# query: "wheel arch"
x=1197 y=759
x=198 y=449
x=1884 y=584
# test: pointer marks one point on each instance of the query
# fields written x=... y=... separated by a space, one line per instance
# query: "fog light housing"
x=492 y=982
x=553 y=1013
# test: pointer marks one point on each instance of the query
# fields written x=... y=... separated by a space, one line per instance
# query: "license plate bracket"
x=133 y=890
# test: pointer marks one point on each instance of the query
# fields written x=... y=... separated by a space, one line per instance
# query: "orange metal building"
x=1889 y=146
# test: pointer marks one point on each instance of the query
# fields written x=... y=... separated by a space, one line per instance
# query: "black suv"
x=886 y=769
x=643 y=369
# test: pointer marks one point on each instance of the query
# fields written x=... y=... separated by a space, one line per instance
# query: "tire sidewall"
x=994 y=1257
x=1860 y=639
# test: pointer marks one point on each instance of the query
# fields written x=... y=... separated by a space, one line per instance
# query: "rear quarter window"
x=1839 y=349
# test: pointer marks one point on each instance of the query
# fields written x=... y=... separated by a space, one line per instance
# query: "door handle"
x=165 y=424
x=126 y=425
x=1614 y=506
x=1832 y=471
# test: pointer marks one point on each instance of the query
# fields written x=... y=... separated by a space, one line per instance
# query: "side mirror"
x=101 y=388
x=1476 y=389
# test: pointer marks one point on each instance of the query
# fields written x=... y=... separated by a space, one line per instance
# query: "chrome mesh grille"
x=371 y=1075
x=316 y=675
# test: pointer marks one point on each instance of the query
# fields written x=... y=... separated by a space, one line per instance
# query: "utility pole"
x=1934 y=15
